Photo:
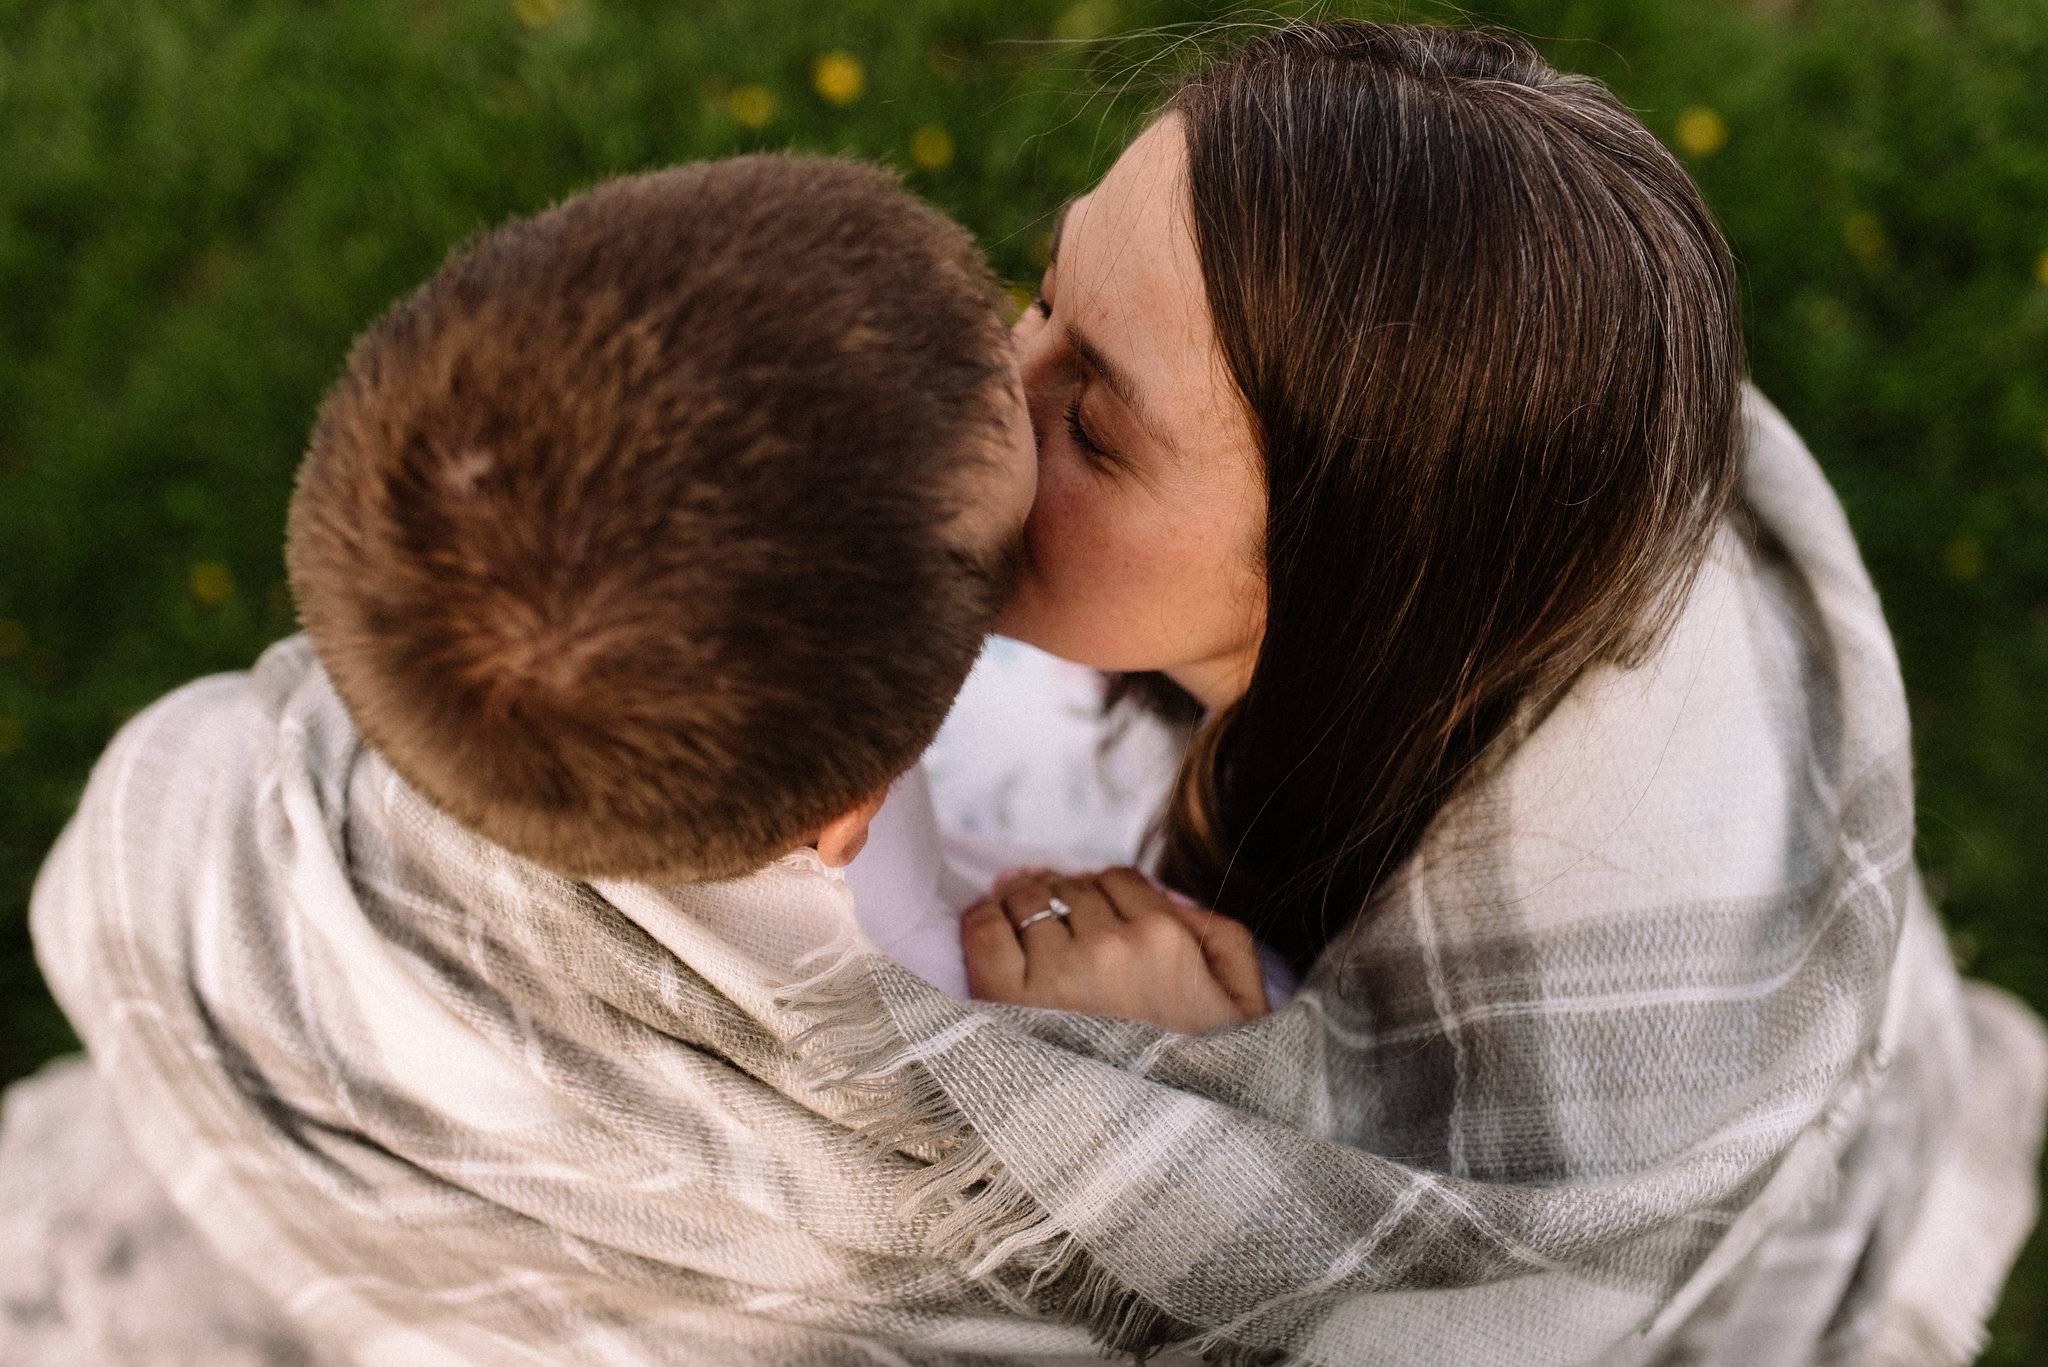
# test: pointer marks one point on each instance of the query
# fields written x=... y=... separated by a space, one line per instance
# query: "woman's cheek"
x=1093 y=592
x=1059 y=535
x=1059 y=603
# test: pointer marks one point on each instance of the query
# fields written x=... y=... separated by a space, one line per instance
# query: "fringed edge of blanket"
x=983 y=1220
x=1981 y=1204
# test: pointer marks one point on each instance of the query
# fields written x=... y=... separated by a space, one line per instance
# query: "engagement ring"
x=1056 y=908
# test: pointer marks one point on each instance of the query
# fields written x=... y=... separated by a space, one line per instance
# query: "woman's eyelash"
x=1080 y=434
x=1044 y=309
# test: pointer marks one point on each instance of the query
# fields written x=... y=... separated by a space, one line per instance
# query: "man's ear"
x=844 y=835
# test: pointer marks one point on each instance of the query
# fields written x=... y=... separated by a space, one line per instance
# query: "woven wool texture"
x=1652 y=1052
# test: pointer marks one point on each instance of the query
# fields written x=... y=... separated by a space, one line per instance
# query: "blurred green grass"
x=201 y=202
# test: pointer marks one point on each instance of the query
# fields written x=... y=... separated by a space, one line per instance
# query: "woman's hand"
x=1123 y=949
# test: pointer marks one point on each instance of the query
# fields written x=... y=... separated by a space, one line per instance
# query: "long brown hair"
x=1489 y=338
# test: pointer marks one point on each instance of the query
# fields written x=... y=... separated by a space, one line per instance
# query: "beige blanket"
x=1652 y=1053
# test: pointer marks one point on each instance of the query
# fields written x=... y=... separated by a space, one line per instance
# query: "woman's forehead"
x=1136 y=218
x=1129 y=277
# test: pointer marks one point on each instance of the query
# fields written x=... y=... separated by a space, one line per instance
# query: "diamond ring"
x=1057 y=909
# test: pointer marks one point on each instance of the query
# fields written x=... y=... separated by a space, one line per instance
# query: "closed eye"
x=1081 y=438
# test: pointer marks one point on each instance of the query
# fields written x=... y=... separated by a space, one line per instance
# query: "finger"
x=1137 y=896
x=1089 y=911
x=1134 y=896
x=1202 y=921
x=1231 y=952
x=1009 y=878
x=1025 y=905
x=995 y=960
x=1227 y=946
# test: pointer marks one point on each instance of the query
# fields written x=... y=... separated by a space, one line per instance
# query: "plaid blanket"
x=1653 y=1053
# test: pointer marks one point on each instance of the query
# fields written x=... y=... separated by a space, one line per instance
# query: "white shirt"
x=912 y=880
x=1018 y=777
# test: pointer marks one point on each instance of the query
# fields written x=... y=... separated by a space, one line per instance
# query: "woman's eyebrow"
x=1116 y=377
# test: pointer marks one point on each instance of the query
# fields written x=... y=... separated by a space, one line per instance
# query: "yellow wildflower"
x=838 y=77
x=1702 y=132
x=931 y=147
x=751 y=106
x=212 y=582
x=1088 y=19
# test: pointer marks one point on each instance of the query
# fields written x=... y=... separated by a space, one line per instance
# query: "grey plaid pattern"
x=1651 y=1054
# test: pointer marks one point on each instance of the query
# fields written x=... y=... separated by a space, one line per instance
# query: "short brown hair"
x=625 y=538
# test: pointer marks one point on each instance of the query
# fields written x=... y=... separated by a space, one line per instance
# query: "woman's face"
x=1144 y=549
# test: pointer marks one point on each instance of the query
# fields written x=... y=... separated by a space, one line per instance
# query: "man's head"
x=654 y=535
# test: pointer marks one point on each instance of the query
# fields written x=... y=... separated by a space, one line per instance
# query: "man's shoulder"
x=281 y=671
x=199 y=722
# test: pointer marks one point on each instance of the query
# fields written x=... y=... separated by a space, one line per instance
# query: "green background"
x=200 y=203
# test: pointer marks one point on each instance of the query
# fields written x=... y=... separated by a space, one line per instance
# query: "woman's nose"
x=1029 y=324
